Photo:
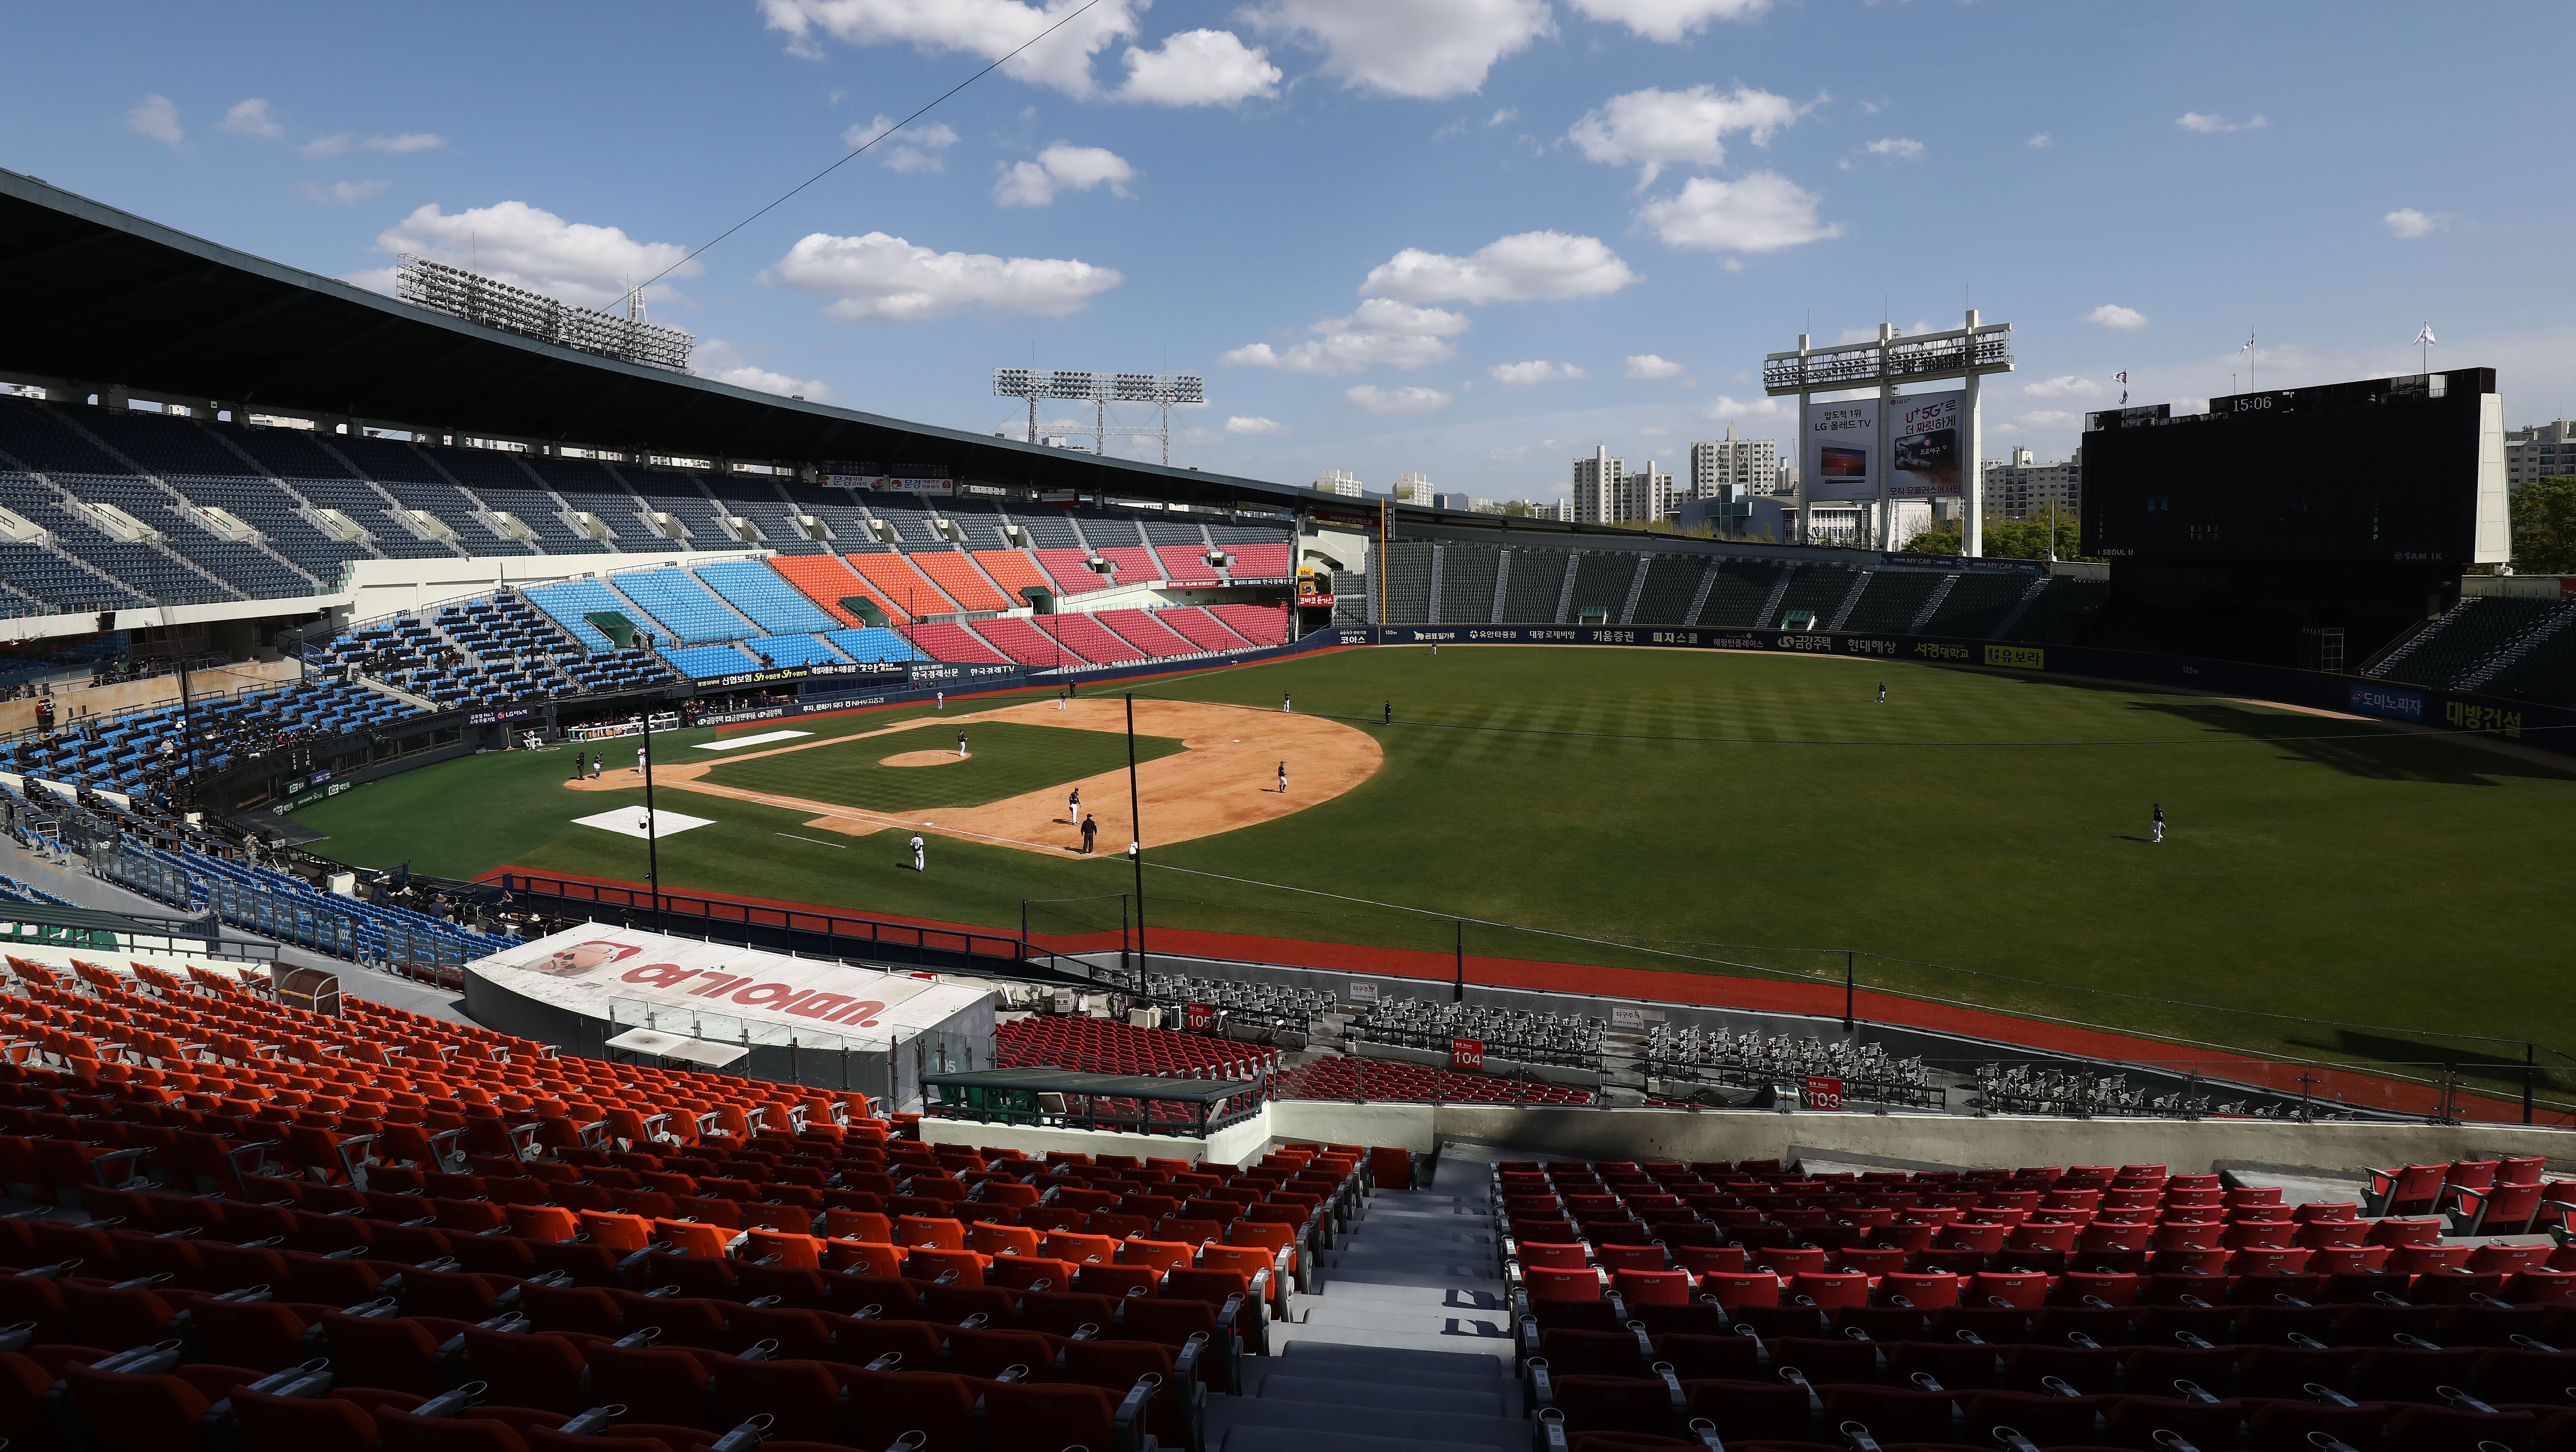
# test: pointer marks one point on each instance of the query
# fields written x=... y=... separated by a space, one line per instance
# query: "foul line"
x=817 y=841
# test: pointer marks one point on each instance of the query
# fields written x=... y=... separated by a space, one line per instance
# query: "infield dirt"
x=1226 y=777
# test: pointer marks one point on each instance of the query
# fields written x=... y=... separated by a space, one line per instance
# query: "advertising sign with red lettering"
x=619 y=973
x=1198 y=1018
x=1824 y=1093
x=1467 y=1054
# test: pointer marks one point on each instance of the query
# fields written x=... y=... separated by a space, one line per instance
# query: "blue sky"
x=1466 y=237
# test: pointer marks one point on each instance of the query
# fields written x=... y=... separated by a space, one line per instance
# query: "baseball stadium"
x=629 y=913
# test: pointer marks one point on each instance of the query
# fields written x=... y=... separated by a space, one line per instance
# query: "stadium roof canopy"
x=98 y=297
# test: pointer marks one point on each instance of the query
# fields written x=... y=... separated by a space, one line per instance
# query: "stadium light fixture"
x=1868 y=454
x=1162 y=391
x=479 y=299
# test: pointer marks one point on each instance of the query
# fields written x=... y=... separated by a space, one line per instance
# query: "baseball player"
x=918 y=863
x=1073 y=805
x=598 y=764
x=1063 y=697
x=639 y=760
x=1390 y=713
x=961 y=743
x=1283 y=778
x=1882 y=693
x=942 y=700
x=2156 y=826
x=1283 y=702
x=576 y=766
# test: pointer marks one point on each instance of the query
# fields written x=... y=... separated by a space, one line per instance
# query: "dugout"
x=823 y=1024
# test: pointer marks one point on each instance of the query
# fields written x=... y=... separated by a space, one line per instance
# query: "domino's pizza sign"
x=2387 y=702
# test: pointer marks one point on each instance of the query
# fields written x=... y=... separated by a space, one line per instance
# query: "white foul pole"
x=1806 y=400
x=1972 y=478
x=1881 y=533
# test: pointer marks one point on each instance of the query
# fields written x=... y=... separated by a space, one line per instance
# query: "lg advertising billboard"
x=1839 y=458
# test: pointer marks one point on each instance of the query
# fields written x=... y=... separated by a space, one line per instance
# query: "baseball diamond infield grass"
x=1004 y=759
x=1984 y=835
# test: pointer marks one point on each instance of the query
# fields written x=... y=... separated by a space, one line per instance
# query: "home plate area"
x=631 y=822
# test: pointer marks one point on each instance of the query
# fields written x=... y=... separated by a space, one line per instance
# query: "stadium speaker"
x=106 y=620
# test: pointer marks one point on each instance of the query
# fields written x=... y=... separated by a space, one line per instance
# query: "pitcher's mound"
x=924 y=758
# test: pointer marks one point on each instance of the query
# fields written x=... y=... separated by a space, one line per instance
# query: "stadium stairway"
x=1406 y=1345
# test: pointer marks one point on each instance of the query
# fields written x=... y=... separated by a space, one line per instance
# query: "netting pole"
x=1461 y=995
x=2529 y=1059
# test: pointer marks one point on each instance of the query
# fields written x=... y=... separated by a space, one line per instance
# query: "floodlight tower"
x=1163 y=390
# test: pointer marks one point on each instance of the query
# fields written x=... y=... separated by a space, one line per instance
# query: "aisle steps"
x=1405 y=1345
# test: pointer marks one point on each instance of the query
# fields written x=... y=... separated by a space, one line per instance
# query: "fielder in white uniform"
x=918 y=863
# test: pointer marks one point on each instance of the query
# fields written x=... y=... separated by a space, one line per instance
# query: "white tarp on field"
x=618 y=974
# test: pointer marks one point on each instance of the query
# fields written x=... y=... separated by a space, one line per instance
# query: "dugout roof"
x=101 y=297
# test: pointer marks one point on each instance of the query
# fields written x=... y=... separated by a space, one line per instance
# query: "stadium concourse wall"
x=1928 y=1141
x=2548 y=727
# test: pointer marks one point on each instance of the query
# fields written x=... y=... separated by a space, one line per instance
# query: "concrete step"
x=1398 y=1338
x=1469 y=1278
x=1307 y=1439
x=1314 y=1353
x=1329 y=1389
x=1397 y=1300
x=1420 y=1429
x=1480 y=1379
x=1377 y=1315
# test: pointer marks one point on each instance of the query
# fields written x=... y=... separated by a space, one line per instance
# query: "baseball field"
x=1979 y=837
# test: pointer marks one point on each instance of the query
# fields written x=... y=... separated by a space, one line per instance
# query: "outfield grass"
x=1713 y=810
x=1004 y=759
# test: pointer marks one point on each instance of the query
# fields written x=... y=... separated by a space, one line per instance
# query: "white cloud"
x=2042 y=420
x=916 y=149
x=1200 y=68
x=1062 y=168
x=251 y=118
x=517 y=243
x=1507 y=113
x=1763 y=212
x=1521 y=375
x=1380 y=332
x=2410 y=223
x=1647 y=365
x=1728 y=410
x=2036 y=142
x=338 y=143
x=1652 y=129
x=1517 y=268
x=1903 y=148
x=158 y=119
x=1426 y=49
x=722 y=361
x=989 y=28
x=1669 y=21
x=2065 y=385
x=2112 y=315
x=882 y=279
x=1240 y=424
x=2207 y=123
x=343 y=194
x=1369 y=398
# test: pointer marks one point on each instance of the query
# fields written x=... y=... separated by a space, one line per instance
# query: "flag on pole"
x=2426 y=338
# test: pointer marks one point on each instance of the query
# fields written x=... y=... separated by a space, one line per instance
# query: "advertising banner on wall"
x=1840 y=450
x=1927 y=432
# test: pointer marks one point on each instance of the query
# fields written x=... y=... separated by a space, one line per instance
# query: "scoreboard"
x=2406 y=469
